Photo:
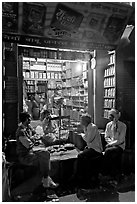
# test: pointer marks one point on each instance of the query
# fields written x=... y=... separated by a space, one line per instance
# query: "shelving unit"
x=39 y=72
x=110 y=85
x=74 y=78
x=64 y=71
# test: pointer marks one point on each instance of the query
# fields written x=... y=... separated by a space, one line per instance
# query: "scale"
x=59 y=102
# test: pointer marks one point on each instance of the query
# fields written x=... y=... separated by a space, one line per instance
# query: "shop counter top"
x=59 y=155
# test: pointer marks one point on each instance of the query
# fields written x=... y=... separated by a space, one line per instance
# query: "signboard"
x=101 y=22
x=10 y=17
x=66 y=18
x=33 y=18
x=55 y=43
x=78 y=25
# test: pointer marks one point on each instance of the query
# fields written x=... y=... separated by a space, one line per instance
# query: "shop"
x=53 y=74
x=59 y=50
x=70 y=58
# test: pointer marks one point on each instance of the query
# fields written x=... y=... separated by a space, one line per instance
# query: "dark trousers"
x=88 y=163
x=112 y=160
x=39 y=159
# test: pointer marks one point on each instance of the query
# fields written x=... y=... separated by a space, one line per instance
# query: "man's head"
x=25 y=118
x=46 y=114
x=86 y=120
x=114 y=115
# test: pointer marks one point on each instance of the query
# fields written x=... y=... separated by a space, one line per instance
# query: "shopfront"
x=65 y=50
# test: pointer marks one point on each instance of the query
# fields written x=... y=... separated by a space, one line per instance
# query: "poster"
x=33 y=18
x=66 y=18
x=10 y=17
x=76 y=25
x=90 y=22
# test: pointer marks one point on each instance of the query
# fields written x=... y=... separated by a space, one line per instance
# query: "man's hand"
x=108 y=140
x=36 y=143
x=108 y=145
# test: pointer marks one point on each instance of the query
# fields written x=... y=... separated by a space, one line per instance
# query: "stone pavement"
x=105 y=192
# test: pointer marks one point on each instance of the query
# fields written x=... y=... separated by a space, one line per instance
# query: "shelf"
x=111 y=52
x=41 y=70
x=112 y=75
x=77 y=96
x=77 y=76
x=67 y=96
x=77 y=86
x=76 y=106
x=107 y=87
x=66 y=87
x=68 y=105
x=110 y=64
x=31 y=92
x=79 y=101
x=109 y=90
x=109 y=97
x=31 y=79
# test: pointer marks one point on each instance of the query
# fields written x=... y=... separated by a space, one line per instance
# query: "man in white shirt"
x=115 y=138
x=88 y=158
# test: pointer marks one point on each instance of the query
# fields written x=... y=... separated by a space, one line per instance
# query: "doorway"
x=51 y=74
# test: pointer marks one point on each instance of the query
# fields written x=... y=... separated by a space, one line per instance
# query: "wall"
x=102 y=60
x=10 y=90
x=125 y=65
x=126 y=96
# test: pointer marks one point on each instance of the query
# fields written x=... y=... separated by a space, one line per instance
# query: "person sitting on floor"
x=115 y=138
x=93 y=149
x=27 y=155
x=51 y=130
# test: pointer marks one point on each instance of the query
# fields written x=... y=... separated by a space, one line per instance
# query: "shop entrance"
x=54 y=79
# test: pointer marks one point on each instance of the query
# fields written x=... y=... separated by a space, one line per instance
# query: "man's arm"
x=107 y=134
x=121 y=137
x=90 y=134
x=25 y=140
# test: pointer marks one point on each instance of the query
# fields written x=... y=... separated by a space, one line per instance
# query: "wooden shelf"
x=107 y=87
x=109 y=97
x=112 y=75
x=109 y=101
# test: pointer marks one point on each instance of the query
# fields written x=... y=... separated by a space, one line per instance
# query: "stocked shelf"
x=109 y=85
x=74 y=90
x=52 y=71
x=56 y=55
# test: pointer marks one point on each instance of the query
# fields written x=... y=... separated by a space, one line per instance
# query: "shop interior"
x=55 y=80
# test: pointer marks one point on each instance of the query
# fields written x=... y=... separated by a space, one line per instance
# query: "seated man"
x=115 y=138
x=26 y=154
x=93 y=149
x=51 y=130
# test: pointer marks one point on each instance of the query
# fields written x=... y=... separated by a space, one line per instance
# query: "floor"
x=29 y=191
x=105 y=192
